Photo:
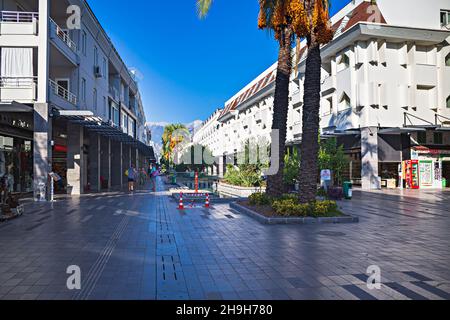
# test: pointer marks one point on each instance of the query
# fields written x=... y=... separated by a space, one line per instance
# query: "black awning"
x=104 y=129
x=15 y=107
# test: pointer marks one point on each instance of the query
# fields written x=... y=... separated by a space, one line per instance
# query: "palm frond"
x=203 y=7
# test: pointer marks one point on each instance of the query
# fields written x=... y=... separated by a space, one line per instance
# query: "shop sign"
x=432 y=152
x=16 y=122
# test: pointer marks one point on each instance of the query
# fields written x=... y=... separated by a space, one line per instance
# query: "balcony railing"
x=19 y=16
x=17 y=82
x=64 y=36
x=63 y=93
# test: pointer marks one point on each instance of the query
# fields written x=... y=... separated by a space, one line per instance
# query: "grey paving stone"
x=223 y=258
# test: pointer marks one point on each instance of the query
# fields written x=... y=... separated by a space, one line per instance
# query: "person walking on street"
x=152 y=175
x=131 y=172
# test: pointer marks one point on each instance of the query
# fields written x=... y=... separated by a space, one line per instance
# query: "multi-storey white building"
x=208 y=134
x=385 y=92
x=68 y=103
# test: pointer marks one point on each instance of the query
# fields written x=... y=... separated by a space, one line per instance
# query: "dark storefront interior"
x=16 y=151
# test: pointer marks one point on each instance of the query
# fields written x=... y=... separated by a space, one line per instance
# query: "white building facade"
x=68 y=102
x=385 y=93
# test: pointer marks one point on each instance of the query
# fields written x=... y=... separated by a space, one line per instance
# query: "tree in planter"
x=332 y=156
x=250 y=165
x=288 y=19
x=292 y=163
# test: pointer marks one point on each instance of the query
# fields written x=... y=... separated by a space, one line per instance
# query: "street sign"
x=325 y=175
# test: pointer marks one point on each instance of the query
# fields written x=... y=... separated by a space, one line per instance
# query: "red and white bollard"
x=207 y=201
x=181 y=206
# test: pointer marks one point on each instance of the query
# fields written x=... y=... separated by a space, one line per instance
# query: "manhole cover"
x=331 y=233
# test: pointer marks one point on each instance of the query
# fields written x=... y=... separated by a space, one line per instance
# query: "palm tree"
x=290 y=19
x=172 y=136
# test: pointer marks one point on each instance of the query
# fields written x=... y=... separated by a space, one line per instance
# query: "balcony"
x=297 y=128
x=426 y=75
x=20 y=89
x=329 y=84
x=61 y=96
x=63 y=42
x=297 y=99
x=14 y=23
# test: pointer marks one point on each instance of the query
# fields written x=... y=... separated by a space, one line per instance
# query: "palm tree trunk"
x=309 y=149
x=275 y=184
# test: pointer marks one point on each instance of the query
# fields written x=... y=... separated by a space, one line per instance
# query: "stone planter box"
x=237 y=192
x=291 y=220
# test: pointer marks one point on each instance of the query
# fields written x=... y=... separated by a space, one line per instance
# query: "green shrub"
x=260 y=199
x=324 y=208
x=243 y=176
x=289 y=206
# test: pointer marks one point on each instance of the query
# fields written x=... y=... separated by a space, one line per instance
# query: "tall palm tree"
x=172 y=136
x=290 y=19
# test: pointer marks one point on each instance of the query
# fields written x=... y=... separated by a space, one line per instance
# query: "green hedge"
x=288 y=205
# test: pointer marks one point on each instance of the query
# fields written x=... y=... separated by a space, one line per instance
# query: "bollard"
x=181 y=206
x=207 y=201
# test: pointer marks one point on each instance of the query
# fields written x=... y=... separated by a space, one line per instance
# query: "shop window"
x=437 y=138
x=422 y=137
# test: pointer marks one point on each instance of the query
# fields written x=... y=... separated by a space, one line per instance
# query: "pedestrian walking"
x=131 y=173
x=153 y=173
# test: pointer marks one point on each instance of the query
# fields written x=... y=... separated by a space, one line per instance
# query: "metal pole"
x=196 y=181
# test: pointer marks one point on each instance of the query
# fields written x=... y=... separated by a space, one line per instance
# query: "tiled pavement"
x=140 y=246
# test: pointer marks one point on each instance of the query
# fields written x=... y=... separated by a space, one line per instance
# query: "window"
x=114 y=114
x=448 y=102
x=445 y=18
x=104 y=67
x=422 y=137
x=345 y=102
x=95 y=99
x=83 y=89
x=95 y=57
x=447 y=60
x=104 y=106
x=83 y=42
x=437 y=138
x=125 y=123
x=344 y=61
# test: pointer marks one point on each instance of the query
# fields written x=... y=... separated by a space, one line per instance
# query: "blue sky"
x=190 y=67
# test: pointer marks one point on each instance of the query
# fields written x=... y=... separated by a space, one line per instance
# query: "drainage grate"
x=229 y=216
x=169 y=269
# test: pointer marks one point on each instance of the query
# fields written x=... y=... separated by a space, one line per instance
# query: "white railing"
x=64 y=36
x=62 y=92
x=19 y=16
x=17 y=82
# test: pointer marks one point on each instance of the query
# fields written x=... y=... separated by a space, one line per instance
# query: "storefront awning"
x=15 y=107
x=97 y=125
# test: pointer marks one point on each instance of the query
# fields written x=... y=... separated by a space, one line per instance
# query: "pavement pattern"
x=139 y=246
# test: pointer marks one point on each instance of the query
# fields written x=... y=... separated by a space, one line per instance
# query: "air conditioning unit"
x=98 y=72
